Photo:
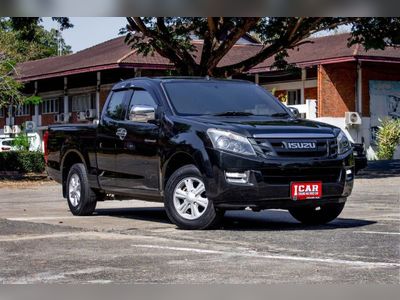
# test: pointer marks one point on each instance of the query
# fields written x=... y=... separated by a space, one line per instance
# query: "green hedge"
x=22 y=161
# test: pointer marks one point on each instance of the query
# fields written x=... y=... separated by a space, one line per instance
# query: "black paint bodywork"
x=139 y=165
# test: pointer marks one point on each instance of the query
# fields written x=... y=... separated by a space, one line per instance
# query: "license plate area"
x=306 y=190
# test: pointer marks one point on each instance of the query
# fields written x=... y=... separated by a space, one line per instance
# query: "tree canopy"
x=172 y=38
x=23 y=39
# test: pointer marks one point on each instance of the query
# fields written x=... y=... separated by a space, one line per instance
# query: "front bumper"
x=269 y=180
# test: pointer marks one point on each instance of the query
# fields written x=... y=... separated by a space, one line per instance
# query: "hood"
x=256 y=125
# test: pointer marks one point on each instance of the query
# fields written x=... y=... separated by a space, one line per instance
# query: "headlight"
x=343 y=143
x=229 y=141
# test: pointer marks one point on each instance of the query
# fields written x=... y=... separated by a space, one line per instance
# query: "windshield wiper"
x=281 y=114
x=234 y=113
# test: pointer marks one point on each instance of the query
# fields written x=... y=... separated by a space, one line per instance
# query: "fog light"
x=349 y=174
x=236 y=177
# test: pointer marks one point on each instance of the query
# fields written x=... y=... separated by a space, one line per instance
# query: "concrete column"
x=36 y=115
x=359 y=89
x=98 y=83
x=257 y=78
x=303 y=81
x=138 y=72
x=66 y=106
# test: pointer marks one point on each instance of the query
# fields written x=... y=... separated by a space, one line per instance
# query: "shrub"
x=22 y=161
x=21 y=142
x=388 y=138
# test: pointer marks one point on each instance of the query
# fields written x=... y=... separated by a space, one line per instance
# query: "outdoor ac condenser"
x=64 y=117
x=91 y=113
x=82 y=116
x=7 y=129
x=352 y=118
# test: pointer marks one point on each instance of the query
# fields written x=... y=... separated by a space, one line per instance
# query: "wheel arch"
x=70 y=158
x=183 y=158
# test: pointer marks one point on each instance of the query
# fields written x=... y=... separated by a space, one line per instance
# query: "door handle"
x=121 y=133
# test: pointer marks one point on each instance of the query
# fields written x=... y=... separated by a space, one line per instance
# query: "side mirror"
x=142 y=113
x=294 y=111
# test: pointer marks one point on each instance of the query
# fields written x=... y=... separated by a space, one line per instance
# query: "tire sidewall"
x=80 y=170
x=206 y=220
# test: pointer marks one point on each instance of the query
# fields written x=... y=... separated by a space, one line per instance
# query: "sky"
x=88 y=32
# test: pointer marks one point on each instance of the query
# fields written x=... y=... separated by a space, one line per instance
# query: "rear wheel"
x=317 y=215
x=81 y=198
x=186 y=201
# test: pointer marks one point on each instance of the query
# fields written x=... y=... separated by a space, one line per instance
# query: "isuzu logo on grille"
x=300 y=145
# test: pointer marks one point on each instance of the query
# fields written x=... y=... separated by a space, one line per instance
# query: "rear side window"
x=7 y=143
x=115 y=106
x=141 y=97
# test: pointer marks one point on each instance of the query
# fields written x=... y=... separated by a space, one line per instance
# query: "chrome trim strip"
x=293 y=135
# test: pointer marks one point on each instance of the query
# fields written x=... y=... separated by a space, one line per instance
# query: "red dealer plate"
x=306 y=190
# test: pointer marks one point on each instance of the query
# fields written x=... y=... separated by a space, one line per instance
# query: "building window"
x=294 y=97
x=50 y=106
x=23 y=110
x=83 y=102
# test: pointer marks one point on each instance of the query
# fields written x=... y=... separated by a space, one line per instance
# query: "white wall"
x=355 y=133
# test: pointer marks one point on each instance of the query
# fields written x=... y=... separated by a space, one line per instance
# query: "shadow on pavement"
x=380 y=169
x=273 y=220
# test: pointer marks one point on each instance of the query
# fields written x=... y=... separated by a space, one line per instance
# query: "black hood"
x=253 y=125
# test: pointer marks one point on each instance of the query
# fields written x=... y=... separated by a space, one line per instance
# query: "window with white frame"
x=83 y=102
x=23 y=110
x=294 y=97
x=50 y=105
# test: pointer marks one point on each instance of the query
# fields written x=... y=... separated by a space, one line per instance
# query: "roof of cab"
x=130 y=83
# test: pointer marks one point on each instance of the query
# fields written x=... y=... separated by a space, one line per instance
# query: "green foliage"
x=33 y=100
x=21 y=142
x=22 y=161
x=172 y=38
x=388 y=137
x=23 y=39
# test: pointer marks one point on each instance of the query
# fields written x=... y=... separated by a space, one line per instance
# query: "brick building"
x=341 y=79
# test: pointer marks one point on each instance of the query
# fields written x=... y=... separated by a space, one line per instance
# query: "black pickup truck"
x=202 y=146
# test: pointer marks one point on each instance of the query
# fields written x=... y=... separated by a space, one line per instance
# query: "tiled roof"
x=330 y=48
x=115 y=53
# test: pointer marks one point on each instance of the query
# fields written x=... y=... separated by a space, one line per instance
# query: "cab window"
x=115 y=106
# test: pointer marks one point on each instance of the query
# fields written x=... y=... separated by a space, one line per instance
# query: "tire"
x=310 y=216
x=197 y=212
x=81 y=198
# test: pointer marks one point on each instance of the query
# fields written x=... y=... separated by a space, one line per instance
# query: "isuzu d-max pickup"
x=202 y=146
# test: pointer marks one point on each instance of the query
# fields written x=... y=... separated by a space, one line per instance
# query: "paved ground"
x=133 y=241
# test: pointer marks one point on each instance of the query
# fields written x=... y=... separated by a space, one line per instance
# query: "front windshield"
x=222 y=98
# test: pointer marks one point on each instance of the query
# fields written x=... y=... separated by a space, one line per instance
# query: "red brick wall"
x=376 y=71
x=311 y=93
x=2 y=122
x=336 y=89
x=22 y=119
x=47 y=119
x=103 y=97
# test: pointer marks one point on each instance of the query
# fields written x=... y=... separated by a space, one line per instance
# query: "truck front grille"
x=278 y=147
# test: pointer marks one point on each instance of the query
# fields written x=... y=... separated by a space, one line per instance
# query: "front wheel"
x=186 y=201
x=317 y=215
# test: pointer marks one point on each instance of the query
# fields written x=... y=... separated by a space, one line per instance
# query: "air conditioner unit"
x=64 y=118
x=16 y=129
x=352 y=118
x=91 y=114
x=7 y=129
x=30 y=126
x=82 y=116
x=57 y=119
